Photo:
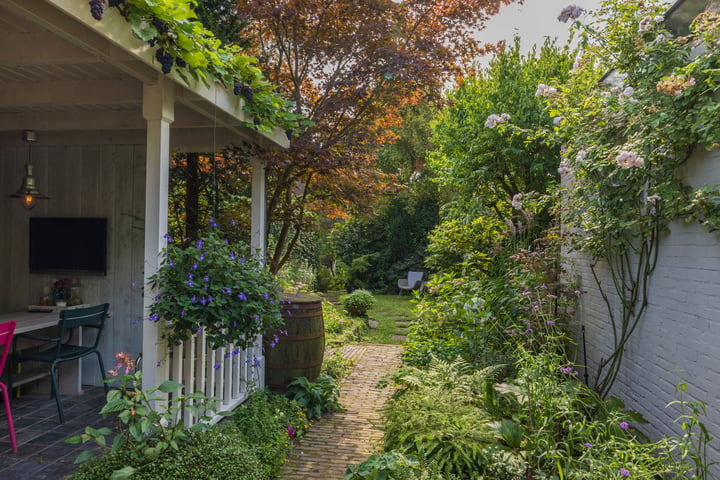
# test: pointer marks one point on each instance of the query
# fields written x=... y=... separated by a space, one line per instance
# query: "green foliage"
x=486 y=164
x=337 y=366
x=316 y=398
x=268 y=422
x=147 y=428
x=341 y=329
x=393 y=241
x=358 y=302
x=383 y=466
x=197 y=55
x=438 y=415
x=218 y=288
x=360 y=270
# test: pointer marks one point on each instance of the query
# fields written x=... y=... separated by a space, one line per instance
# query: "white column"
x=258 y=209
x=158 y=110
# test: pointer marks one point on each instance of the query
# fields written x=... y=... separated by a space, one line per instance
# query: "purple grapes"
x=165 y=59
x=97 y=8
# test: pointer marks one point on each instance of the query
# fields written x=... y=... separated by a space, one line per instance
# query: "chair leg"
x=102 y=372
x=8 y=414
x=53 y=376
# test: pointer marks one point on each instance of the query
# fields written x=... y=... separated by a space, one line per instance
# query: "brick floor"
x=349 y=437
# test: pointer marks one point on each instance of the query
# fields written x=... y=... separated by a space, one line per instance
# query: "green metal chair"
x=62 y=350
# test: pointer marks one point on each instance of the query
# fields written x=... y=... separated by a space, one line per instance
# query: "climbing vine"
x=182 y=43
x=639 y=102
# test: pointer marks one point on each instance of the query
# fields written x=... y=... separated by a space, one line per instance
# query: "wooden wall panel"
x=83 y=181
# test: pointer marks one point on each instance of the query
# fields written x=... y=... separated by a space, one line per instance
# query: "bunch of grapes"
x=289 y=133
x=165 y=59
x=160 y=25
x=97 y=8
x=244 y=90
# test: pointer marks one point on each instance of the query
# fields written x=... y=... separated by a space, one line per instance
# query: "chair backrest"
x=7 y=330
x=93 y=317
x=414 y=279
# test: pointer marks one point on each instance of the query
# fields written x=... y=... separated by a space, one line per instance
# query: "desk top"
x=29 y=321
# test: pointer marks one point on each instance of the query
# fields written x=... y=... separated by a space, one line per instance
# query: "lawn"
x=387 y=318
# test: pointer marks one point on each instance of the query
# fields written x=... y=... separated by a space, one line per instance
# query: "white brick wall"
x=681 y=327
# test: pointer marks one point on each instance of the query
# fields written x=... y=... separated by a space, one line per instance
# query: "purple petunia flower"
x=206 y=278
x=190 y=283
x=182 y=314
x=550 y=322
x=201 y=257
x=242 y=296
x=171 y=263
x=168 y=237
x=624 y=472
x=199 y=330
x=194 y=266
x=193 y=299
x=154 y=317
x=528 y=331
x=266 y=295
x=233 y=222
x=624 y=425
x=232 y=255
x=566 y=370
x=216 y=366
x=243 y=260
x=203 y=301
x=588 y=445
x=199 y=245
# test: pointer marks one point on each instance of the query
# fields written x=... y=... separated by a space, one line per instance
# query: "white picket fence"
x=228 y=373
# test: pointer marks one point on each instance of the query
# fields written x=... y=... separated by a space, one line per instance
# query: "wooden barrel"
x=300 y=343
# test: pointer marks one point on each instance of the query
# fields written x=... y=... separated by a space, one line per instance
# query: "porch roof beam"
x=70 y=93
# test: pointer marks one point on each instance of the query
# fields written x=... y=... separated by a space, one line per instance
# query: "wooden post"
x=258 y=209
x=158 y=110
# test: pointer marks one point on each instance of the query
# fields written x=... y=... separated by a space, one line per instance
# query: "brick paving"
x=349 y=437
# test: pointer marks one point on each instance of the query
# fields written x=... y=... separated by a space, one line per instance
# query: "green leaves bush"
x=358 y=302
x=316 y=398
x=215 y=287
x=268 y=422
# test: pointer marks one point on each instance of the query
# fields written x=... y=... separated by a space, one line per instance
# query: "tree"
x=349 y=66
x=492 y=148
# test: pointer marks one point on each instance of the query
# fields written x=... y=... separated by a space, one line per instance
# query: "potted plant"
x=216 y=287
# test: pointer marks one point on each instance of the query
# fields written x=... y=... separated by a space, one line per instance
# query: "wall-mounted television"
x=68 y=245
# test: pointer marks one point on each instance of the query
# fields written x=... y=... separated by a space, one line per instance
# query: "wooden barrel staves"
x=300 y=344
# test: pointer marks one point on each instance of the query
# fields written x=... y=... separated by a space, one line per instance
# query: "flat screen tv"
x=68 y=245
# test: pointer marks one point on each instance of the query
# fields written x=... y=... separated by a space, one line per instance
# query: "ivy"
x=182 y=43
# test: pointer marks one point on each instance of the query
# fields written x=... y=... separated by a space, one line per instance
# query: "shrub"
x=358 y=302
x=316 y=398
x=218 y=453
x=340 y=329
x=268 y=422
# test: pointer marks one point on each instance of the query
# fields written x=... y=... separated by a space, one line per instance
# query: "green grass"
x=389 y=309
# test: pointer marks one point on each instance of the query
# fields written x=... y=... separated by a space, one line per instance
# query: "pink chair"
x=6 y=334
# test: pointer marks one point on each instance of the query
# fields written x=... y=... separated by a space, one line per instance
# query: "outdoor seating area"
x=412 y=282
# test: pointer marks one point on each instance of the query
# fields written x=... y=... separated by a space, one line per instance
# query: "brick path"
x=349 y=437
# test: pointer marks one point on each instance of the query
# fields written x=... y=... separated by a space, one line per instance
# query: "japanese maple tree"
x=349 y=66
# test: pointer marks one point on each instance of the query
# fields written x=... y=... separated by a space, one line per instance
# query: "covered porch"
x=107 y=122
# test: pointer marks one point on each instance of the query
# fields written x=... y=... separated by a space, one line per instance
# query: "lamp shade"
x=28 y=191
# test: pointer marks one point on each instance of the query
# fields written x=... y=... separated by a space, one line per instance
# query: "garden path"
x=348 y=437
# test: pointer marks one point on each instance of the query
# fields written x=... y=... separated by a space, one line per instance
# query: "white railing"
x=228 y=373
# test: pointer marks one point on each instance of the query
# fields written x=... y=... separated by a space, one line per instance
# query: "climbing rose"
x=570 y=12
x=628 y=159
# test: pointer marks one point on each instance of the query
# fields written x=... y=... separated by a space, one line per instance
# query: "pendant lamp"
x=28 y=192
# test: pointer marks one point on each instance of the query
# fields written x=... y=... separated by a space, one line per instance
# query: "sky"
x=533 y=21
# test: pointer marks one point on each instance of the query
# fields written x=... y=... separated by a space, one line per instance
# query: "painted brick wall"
x=681 y=328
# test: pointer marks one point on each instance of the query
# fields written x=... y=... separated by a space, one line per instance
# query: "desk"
x=70 y=374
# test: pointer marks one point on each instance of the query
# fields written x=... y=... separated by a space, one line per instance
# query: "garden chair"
x=412 y=282
x=61 y=350
x=6 y=334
